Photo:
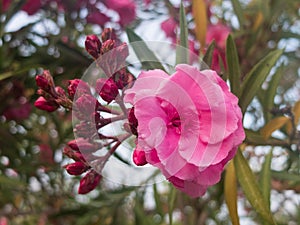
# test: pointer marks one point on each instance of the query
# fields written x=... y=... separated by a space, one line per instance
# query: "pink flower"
x=219 y=33
x=97 y=17
x=125 y=9
x=189 y=125
x=169 y=26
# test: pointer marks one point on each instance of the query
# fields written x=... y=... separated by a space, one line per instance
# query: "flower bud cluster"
x=83 y=99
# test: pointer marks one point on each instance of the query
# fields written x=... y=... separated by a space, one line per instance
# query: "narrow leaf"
x=182 y=52
x=265 y=178
x=157 y=200
x=233 y=66
x=268 y=102
x=256 y=77
x=171 y=202
x=207 y=58
x=144 y=54
x=230 y=190
x=273 y=125
x=200 y=19
x=250 y=187
x=238 y=11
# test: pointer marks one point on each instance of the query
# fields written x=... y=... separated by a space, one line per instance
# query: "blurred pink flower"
x=189 y=125
x=46 y=154
x=219 y=33
x=3 y=221
x=19 y=111
x=125 y=8
x=169 y=26
x=97 y=17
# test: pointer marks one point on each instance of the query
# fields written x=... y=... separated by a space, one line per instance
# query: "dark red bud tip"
x=42 y=82
x=47 y=105
x=89 y=182
x=107 y=89
x=139 y=157
x=76 y=168
x=133 y=122
x=93 y=45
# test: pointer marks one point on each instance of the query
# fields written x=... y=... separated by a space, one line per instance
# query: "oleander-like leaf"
x=256 y=77
x=273 y=125
x=265 y=178
x=182 y=50
x=233 y=66
x=144 y=54
x=251 y=189
x=230 y=190
x=238 y=11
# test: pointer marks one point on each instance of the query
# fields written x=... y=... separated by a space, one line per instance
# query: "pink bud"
x=107 y=89
x=123 y=79
x=107 y=34
x=89 y=182
x=76 y=168
x=47 y=105
x=42 y=82
x=45 y=81
x=60 y=91
x=107 y=46
x=77 y=156
x=79 y=86
x=86 y=105
x=93 y=45
x=81 y=144
x=139 y=157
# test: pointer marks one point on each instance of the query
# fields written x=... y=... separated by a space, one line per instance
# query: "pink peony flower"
x=189 y=125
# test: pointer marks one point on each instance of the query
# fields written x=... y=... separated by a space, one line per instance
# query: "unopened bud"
x=78 y=86
x=93 y=45
x=89 y=182
x=123 y=79
x=81 y=144
x=107 y=89
x=139 y=157
x=107 y=46
x=76 y=168
x=47 y=105
x=86 y=105
x=107 y=34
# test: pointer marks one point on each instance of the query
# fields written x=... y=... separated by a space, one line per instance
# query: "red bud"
x=76 y=168
x=93 y=45
x=89 y=182
x=47 y=105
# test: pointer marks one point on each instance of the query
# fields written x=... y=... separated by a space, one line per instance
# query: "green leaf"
x=238 y=11
x=171 y=202
x=268 y=102
x=157 y=200
x=144 y=54
x=230 y=190
x=234 y=72
x=207 y=58
x=182 y=50
x=265 y=178
x=250 y=187
x=256 y=77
